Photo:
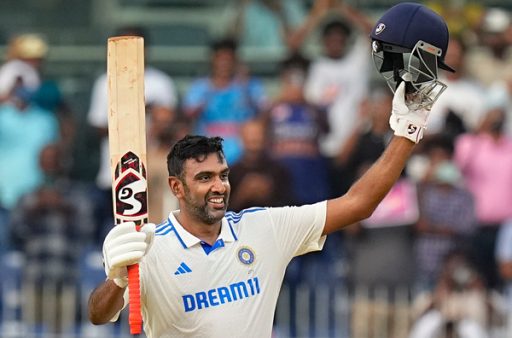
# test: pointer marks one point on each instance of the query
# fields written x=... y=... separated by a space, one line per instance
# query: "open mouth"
x=217 y=202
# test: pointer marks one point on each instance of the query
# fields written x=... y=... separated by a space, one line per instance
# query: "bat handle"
x=134 y=314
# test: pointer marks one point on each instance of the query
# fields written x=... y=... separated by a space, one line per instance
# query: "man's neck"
x=205 y=232
x=221 y=81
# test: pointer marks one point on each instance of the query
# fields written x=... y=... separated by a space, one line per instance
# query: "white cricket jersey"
x=229 y=289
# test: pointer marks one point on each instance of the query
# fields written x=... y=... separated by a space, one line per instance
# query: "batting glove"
x=404 y=121
x=124 y=246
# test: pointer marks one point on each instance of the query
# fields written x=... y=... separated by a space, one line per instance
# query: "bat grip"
x=134 y=314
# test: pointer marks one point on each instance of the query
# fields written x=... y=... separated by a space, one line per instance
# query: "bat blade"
x=127 y=145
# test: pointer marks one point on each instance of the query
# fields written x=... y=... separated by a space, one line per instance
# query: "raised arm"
x=355 y=17
x=366 y=193
x=319 y=10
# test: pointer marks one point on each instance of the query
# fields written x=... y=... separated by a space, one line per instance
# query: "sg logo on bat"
x=130 y=189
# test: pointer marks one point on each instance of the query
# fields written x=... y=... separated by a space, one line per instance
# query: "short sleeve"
x=298 y=230
x=159 y=89
x=257 y=93
x=97 y=116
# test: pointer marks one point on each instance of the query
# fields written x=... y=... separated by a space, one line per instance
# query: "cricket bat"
x=127 y=145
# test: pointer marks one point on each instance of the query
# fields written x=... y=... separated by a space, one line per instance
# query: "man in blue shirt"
x=222 y=101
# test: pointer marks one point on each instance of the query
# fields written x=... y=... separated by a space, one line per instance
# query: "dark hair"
x=295 y=61
x=192 y=146
x=439 y=141
x=336 y=25
x=225 y=43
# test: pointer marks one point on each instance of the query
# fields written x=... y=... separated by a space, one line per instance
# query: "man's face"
x=206 y=188
x=224 y=63
x=334 y=43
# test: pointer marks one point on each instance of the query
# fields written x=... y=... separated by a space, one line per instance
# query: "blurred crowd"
x=444 y=231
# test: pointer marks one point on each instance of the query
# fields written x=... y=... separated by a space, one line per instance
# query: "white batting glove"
x=404 y=121
x=124 y=246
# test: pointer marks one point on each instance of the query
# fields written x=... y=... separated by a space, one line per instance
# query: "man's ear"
x=175 y=185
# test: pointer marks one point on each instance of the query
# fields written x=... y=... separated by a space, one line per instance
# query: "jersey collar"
x=188 y=240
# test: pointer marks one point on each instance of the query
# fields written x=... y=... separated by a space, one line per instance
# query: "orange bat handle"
x=134 y=314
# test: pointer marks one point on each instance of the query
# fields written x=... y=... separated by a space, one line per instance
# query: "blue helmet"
x=411 y=38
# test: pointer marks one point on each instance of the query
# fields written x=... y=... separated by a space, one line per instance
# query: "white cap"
x=496 y=20
x=27 y=46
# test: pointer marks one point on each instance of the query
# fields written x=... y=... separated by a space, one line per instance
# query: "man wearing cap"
x=490 y=60
x=24 y=55
x=25 y=127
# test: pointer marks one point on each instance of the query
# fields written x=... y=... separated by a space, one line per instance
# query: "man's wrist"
x=405 y=128
x=122 y=282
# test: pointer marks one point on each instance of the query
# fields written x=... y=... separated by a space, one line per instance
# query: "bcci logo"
x=380 y=27
x=245 y=255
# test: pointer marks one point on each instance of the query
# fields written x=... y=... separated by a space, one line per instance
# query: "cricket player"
x=209 y=272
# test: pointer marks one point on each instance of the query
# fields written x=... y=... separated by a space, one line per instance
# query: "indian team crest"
x=246 y=255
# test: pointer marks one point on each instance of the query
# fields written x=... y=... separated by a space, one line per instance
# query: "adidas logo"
x=182 y=269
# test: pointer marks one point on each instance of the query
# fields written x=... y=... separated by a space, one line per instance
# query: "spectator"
x=367 y=140
x=460 y=305
x=461 y=106
x=258 y=179
x=267 y=24
x=164 y=129
x=277 y=26
x=25 y=53
x=490 y=60
x=447 y=216
x=159 y=92
x=19 y=80
x=338 y=80
x=295 y=127
x=51 y=226
x=25 y=57
x=24 y=130
x=219 y=103
x=477 y=155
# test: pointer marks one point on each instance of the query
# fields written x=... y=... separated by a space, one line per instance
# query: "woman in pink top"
x=485 y=159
